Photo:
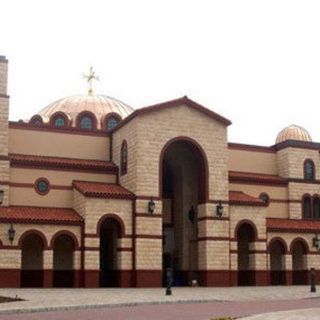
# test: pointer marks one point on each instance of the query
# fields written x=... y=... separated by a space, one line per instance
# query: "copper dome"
x=293 y=132
x=99 y=105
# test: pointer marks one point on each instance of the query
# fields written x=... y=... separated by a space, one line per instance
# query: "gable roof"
x=173 y=103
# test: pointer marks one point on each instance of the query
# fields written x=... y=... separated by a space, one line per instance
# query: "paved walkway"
x=238 y=301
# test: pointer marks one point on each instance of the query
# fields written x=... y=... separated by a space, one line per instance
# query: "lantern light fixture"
x=151 y=206
x=219 y=209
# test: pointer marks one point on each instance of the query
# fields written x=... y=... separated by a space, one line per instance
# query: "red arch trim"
x=277 y=239
x=250 y=223
x=61 y=233
x=115 y=218
x=60 y=114
x=105 y=119
x=36 y=232
x=301 y=240
x=203 y=157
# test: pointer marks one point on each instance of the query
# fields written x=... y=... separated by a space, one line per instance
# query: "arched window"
x=316 y=207
x=86 y=123
x=36 y=120
x=112 y=122
x=124 y=158
x=309 y=172
x=59 y=122
x=86 y=120
x=307 y=214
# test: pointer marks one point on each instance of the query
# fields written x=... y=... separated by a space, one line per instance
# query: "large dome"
x=293 y=132
x=99 y=105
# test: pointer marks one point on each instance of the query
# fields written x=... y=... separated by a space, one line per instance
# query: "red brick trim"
x=124 y=249
x=68 y=233
x=36 y=232
x=204 y=159
x=170 y=104
x=213 y=239
x=4 y=158
x=213 y=218
x=251 y=251
x=91 y=235
x=148 y=215
x=148 y=236
x=250 y=147
x=297 y=144
x=291 y=230
x=253 y=178
x=32 y=185
x=91 y=248
x=48 y=128
x=299 y=180
x=148 y=278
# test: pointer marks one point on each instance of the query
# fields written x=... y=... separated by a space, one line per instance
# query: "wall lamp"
x=11 y=233
x=151 y=206
x=219 y=209
x=1 y=196
x=316 y=242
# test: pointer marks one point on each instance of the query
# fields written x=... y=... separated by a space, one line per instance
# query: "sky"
x=255 y=62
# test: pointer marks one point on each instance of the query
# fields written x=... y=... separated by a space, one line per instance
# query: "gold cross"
x=90 y=77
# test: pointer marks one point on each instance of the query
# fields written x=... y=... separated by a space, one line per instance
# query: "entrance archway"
x=184 y=174
x=63 y=261
x=246 y=235
x=299 y=263
x=110 y=232
x=32 y=261
x=277 y=263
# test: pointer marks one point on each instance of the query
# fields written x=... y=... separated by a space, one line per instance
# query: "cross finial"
x=90 y=77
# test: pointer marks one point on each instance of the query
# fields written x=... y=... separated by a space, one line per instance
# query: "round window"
x=42 y=186
x=265 y=198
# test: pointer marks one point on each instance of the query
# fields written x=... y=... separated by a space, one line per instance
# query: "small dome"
x=293 y=132
x=99 y=105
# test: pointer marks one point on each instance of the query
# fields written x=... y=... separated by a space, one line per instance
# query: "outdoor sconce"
x=219 y=209
x=316 y=242
x=11 y=233
x=191 y=214
x=151 y=206
x=1 y=196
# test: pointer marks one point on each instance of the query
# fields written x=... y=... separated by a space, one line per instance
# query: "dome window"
x=59 y=122
x=111 y=120
x=86 y=120
x=36 y=120
x=86 y=123
x=308 y=168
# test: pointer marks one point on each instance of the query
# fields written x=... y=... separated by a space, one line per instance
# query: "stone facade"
x=180 y=197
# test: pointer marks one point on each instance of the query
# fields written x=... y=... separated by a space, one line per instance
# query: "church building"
x=95 y=193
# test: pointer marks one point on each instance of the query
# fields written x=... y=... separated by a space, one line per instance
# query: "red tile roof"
x=102 y=190
x=239 y=176
x=241 y=198
x=292 y=225
x=37 y=214
x=24 y=160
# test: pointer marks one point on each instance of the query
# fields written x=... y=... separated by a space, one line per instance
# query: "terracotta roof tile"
x=102 y=190
x=37 y=214
x=241 y=198
x=239 y=176
x=59 y=162
x=293 y=225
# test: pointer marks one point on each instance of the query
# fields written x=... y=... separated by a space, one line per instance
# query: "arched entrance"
x=277 y=263
x=299 y=263
x=110 y=232
x=32 y=261
x=63 y=261
x=184 y=186
x=246 y=236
